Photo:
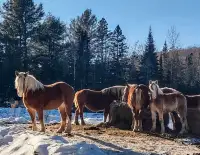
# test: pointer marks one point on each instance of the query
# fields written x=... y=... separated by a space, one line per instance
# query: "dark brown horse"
x=96 y=101
x=38 y=97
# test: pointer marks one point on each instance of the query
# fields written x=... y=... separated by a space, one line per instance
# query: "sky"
x=135 y=17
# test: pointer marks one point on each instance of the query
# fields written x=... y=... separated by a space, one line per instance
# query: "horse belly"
x=94 y=108
x=172 y=106
x=54 y=104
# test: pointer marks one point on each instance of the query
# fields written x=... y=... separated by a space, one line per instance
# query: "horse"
x=137 y=97
x=165 y=103
x=96 y=101
x=174 y=116
x=38 y=97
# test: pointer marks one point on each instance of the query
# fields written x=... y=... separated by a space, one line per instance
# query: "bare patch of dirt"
x=113 y=140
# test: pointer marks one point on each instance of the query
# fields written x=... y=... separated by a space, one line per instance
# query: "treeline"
x=86 y=53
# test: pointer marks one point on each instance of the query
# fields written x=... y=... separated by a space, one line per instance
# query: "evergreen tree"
x=82 y=32
x=149 y=64
x=118 y=54
x=50 y=38
x=22 y=17
x=19 y=20
x=102 y=54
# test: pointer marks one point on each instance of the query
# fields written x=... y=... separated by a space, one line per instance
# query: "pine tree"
x=149 y=64
x=82 y=32
x=102 y=54
x=118 y=53
x=165 y=64
x=160 y=70
x=22 y=17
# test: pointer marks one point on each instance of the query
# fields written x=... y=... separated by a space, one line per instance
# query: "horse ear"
x=150 y=81
x=26 y=73
x=156 y=82
x=16 y=73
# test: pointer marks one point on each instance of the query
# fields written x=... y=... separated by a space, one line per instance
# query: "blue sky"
x=135 y=16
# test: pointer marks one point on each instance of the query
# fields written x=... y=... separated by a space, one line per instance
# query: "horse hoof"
x=59 y=131
x=76 y=123
x=83 y=123
x=68 y=131
x=135 y=130
x=42 y=130
x=34 y=129
x=152 y=130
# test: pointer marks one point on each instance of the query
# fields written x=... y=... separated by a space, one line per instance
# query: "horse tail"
x=76 y=99
x=138 y=93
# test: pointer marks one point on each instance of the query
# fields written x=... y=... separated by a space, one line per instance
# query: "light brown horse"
x=96 y=101
x=165 y=103
x=38 y=97
x=137 y=97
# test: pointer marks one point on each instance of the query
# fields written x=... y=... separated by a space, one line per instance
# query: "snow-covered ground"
x=15 y=140
x=20 y=115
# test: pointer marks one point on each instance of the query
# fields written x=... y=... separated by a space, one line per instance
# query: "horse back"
x=93 y=100
x=51 y=96
x=116 y=92
x=173 y=101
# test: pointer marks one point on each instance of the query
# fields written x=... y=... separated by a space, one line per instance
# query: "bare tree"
x=173 y=38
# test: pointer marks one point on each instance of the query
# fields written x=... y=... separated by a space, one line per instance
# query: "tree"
x=118 y=54
x=19 y=20
x=149 y=64
x=173 y=38
x=50 y=39
x=102 y=44
x=82 y=32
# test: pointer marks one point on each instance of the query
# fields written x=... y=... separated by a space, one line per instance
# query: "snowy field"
x=15 y=141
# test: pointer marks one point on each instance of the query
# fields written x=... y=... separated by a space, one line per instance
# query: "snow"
x=14 y=140
x=21 y=116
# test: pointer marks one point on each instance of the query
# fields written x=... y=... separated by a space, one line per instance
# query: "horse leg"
x=40 y=116
x=68 y=112
x=173 y=120
x=63 y=116
x=32 y=114
x=140 y=128
x=76 y=116
x=160 y=115
x=106 y=112
x=153 y=116
x=183 y=121
x=81 y=114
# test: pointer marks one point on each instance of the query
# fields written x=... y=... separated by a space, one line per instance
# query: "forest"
x=86 y=54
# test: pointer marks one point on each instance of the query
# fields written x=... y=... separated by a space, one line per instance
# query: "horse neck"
x=33 y=84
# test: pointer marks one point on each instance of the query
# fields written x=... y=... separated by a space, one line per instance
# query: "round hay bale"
x=121 y=117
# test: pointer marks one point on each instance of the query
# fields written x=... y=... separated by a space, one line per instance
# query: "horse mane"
x=31 y=83
x=156 y=91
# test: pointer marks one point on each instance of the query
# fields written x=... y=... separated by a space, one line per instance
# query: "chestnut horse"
x=96 y=101
x=168 y=102
x=137 y=97
x=38 y=97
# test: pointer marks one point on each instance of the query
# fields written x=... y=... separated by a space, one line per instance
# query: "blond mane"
x=31 y=83
x=155 y=90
